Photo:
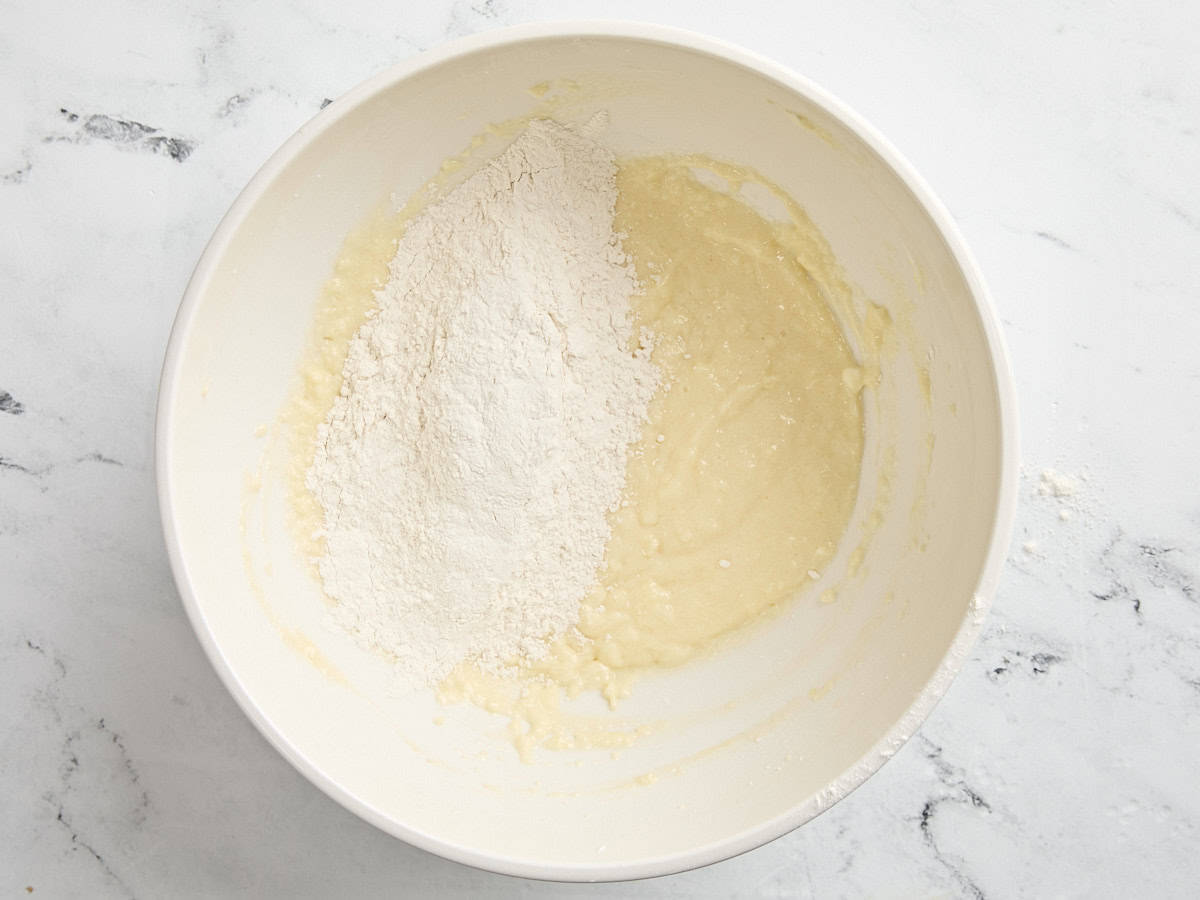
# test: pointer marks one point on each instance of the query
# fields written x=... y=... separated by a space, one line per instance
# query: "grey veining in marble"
x=1063 y=137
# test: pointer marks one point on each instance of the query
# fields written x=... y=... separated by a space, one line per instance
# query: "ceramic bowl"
x=746 y=744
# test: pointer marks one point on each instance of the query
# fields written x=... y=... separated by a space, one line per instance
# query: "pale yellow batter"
x=748 y=469
x=747 y=474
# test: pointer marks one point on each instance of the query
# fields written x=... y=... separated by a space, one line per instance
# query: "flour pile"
x=486 y=415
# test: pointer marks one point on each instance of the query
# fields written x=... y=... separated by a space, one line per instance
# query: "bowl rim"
x=1001 y=526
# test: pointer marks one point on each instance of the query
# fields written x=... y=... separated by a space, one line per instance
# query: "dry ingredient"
x=482 y=431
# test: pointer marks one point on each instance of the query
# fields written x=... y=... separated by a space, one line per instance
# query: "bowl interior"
x=752 y=741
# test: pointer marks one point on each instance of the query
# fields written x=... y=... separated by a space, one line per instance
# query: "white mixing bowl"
x=749 y=743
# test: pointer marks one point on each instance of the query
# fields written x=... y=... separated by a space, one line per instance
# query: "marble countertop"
x=1063 y=761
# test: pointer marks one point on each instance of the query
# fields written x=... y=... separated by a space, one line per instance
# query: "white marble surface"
x=1063 y=762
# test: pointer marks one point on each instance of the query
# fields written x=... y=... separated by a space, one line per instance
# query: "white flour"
x=482 y=431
